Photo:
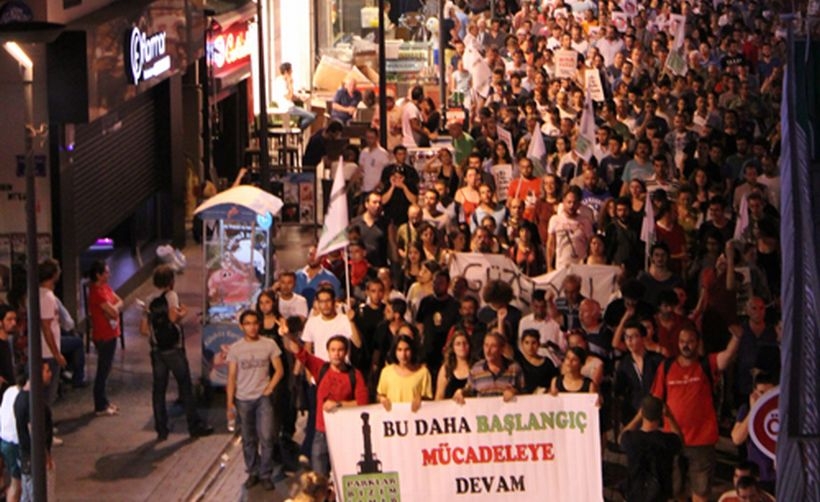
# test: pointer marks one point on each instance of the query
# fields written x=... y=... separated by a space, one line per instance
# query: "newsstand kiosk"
x=237 y=248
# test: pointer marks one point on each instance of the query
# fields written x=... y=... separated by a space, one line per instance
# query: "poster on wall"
x=217 y=339
x=298 y=192
x=483 y=450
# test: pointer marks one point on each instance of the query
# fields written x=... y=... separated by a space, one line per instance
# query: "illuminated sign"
x=229 y=49
x=145 y=55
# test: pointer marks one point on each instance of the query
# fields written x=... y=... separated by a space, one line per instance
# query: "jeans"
x=54 y=386
x=26 y=488
x=305 y=117
x=71 y=347
x=105 y=358
x=163 y=363
x=256 y=418
x=310 y=426
x=320 y=456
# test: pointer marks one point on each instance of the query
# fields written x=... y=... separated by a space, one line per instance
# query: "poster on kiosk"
x=237 y=251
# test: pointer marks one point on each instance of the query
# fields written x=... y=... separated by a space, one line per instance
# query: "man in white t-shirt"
x=320 y=328
x=372 y=160
x=569 y=232
x=283 y=95
x=411 y=118
x=552 y=342
x=49 y=273
x=290 y=303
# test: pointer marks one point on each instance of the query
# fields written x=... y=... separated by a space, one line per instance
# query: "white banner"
x=480 y=268
x=503 y=175
x=532 y=448
x=595 y=88
x=598 y=282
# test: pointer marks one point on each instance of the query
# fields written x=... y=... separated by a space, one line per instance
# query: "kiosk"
x=237 y=249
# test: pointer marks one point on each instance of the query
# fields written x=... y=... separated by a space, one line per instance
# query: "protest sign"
x=630 y=7
x=620 y=20
x=566 y=63
x=594 y=87
x=506 y=136
x=503 y=175
x=531 y=448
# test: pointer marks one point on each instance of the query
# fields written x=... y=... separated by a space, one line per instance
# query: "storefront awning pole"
x=442 y=61
x=264 y=160
x=382 y=80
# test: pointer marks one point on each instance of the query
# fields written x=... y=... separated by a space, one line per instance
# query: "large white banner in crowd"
x=598 y=282
x=532 y=448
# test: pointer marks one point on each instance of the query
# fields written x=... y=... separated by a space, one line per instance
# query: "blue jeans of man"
x=165 y=362
x=320 y=456
x=305 y=117
x=105 y=359
x=256 y=418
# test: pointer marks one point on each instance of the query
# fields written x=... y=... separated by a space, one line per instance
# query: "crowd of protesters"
x=671 y=175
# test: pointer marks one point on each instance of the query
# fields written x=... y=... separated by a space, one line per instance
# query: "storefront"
x=231 y=41
x=116 y=142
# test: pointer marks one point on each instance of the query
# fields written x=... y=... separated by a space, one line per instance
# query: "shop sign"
x=229 y=49
x=146 y=56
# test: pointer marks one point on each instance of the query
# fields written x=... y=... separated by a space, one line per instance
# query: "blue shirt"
x=343 y=98
x=307 y=287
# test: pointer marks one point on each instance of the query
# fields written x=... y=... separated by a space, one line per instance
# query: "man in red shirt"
x=526 y=188
x=335 y=387
x=687 y=391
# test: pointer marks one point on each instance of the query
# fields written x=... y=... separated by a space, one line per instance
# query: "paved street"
x=118 y=458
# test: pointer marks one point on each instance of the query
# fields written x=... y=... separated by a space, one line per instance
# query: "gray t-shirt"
x=252 y=360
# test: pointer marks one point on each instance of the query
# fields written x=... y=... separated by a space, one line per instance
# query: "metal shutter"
x=115 y=166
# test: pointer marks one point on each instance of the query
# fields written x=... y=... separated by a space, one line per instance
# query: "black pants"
x=163 y=363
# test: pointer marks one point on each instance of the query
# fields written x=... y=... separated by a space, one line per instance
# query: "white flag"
x=334 y=231
x=742 y=218
x=648 y=225
x=537 y=152
x=586 y=136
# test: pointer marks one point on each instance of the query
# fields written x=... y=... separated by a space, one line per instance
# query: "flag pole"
x=347 y=277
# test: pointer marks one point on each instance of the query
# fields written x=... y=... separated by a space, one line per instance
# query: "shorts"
x=11 y=457
x=696 y=470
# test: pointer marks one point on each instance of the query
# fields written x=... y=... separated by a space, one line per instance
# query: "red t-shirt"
x=689 y=398
x=335 y=386
x=668 y=338
x=529 y=192
x=101 y=326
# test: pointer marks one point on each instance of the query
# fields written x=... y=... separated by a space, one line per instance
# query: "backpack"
x=167 y=335
x=351 y=374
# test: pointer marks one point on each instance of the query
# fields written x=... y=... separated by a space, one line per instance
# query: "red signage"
x=229 y=49
x=764 y=422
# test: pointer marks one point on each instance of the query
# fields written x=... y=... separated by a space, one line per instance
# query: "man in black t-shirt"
x=436 y=314
x=650 y=453
x=8 y=322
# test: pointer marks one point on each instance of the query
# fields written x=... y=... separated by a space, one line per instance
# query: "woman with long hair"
x=428 y=236
x=546 y=206
x=404 y=379
x=467 y=196
x=411 y=268
x=422 y=288
x=699 y=179
x=571 y=379
x=526 y=254
x=538 y=371
x=456 y=368
x=104 y=307
x=596 y=252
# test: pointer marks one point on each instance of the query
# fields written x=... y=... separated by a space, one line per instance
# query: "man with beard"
x=309 y=279
x=436 y=314
x=621 y=241
x=373 y=228
x=569 y=233
x=686 y=384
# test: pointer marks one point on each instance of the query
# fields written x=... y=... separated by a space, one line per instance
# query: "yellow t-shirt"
x=400 y=389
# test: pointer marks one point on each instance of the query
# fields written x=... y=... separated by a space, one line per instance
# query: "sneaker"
x=110 y=411
x=55 y=441
x=268 y=485
x=252 y=481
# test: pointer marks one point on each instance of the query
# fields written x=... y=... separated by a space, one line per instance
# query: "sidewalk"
x=118 y=457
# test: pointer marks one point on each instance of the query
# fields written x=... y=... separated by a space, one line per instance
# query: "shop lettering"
x=229 y=48
x=490 y=484
x=496 y=454
x=533 y=422
x=431 y=427
x=146 y=55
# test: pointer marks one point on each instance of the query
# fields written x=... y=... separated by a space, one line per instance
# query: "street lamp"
x=10 y=36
